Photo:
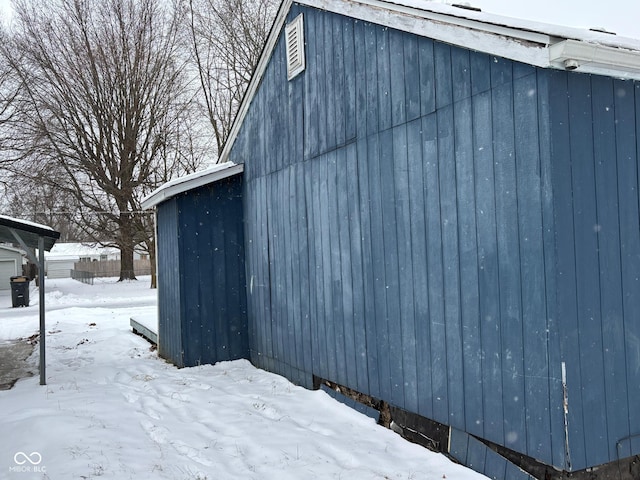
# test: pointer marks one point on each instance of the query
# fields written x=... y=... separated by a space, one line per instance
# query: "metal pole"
x=43 y=331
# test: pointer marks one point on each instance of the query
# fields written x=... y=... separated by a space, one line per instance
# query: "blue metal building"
x=434 y=207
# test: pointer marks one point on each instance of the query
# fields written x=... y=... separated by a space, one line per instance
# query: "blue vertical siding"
x=367 y=303
x=202 y=291
x=555 y=400
x=437 y=390
x=443 y=229
x=627 y=132
x=530 y=219
x=169 y=280
x=595 y=170
x=509 y=260
x=418 y=251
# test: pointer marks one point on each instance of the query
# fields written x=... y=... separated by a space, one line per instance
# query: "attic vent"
x=294 y=37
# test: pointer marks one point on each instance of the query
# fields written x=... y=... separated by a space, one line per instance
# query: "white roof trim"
x=581 y=56
x=189 y=182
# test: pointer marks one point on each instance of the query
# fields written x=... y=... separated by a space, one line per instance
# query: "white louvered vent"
x=294 y=36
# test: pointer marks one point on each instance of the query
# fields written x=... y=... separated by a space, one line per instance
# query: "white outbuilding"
x=10 y=265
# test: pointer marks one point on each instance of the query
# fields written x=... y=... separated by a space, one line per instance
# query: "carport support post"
x=40 y=261
x=43 y=332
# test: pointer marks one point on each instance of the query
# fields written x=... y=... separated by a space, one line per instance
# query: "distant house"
x=63 y=256
x=437 y=208
x=10 y=265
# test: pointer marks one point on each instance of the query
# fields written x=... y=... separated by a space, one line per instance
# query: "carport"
x=31 y=236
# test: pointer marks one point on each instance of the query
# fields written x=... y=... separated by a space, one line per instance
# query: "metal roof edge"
x=189 y=182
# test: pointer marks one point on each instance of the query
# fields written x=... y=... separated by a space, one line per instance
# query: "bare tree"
x=108 y=109
x=226 y=41
x=9 y=101
x=45 y=204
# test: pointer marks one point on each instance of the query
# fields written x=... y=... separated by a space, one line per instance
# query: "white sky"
x=5 y=8
x=620 y=16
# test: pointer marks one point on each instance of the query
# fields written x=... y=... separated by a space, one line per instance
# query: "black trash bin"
x=20 y=291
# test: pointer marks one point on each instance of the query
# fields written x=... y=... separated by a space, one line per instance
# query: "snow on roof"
x=30 y=234
x=188 y=182
x=77 y=250
x=559 y=31
x=26 y=223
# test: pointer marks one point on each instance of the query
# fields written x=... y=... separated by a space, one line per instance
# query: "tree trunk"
x=126 y=263
x=126 y=244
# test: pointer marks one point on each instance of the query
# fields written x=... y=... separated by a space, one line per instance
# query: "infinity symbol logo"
x=34 y=459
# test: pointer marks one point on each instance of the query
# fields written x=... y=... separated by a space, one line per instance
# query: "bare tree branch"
x=226 y=40
x=107 y=113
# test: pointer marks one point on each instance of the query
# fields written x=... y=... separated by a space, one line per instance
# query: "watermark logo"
x=21 y=458
x=27 y=463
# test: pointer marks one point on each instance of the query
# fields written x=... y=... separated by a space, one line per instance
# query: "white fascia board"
x=189 y=182
x=593 y=58
x=390 y=14
x=495 y=39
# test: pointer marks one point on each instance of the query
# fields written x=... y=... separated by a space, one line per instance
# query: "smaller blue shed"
x=201 y=281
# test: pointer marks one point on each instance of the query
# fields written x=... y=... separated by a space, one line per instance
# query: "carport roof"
x=30 y=232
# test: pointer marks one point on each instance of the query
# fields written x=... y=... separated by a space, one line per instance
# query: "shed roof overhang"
x=189 y=182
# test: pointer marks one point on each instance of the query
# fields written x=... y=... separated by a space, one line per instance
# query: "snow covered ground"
x=113 y=410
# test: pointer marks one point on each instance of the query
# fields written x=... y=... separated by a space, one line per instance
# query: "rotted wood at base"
x=494 y=461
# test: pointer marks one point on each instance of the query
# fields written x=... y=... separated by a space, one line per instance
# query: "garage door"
x=7 y=270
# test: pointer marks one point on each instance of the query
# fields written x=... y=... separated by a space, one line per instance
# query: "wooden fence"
x=111 y=268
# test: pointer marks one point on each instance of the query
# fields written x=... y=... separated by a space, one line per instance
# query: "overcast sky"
x=4 y=9
x=620 y=16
